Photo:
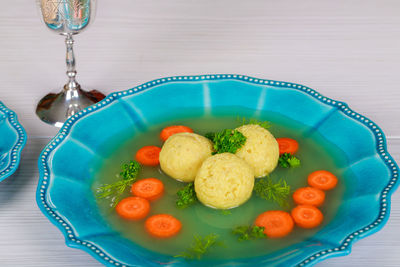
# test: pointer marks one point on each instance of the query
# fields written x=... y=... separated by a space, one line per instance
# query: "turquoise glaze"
x=65 y=197
x=12 y=141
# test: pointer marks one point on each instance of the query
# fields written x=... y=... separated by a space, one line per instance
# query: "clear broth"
x=315 y=153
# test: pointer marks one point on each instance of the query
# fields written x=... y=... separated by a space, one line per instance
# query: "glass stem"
x=70 y=60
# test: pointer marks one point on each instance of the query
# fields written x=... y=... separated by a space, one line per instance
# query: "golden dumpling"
x=224 y=181
x=261 y=149
x=182 y=155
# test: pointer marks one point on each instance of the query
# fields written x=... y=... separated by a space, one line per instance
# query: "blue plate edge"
x=19 y=145
x=342 y=250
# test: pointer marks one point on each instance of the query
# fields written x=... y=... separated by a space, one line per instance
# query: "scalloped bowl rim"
x=343 y=249
x=19 y=144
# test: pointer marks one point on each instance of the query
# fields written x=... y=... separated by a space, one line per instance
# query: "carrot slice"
x=307 y=216
x=133 y=208
x=149 y=188
x=277 y=223
x=174 y=129
x=309 y=196
x=162 y=225
x=148 y=155
x=323 y=180
x=287 y=145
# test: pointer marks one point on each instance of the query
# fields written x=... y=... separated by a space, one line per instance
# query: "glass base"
x=55 y=109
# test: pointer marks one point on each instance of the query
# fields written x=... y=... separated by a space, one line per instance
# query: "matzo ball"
x=182 y=155
x=224 y=181
x=261 y=149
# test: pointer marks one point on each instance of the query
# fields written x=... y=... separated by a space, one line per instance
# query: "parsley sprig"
x=277 y=192
x=186 y=196
x=114 y=191
x=227 y=140
x=249 y=232
x=200 y=246
x=287 y=160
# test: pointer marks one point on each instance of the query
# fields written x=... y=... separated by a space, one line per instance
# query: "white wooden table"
x=346 y=49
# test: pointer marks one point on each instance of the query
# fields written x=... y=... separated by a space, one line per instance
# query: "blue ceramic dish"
x=64 y=194
x=12 y=141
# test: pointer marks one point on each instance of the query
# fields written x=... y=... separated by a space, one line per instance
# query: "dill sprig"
x=186 y=196
x=249 y=232
x=200 y=246
x=114 y=191
x=287 y=160
x=227 y=140
x=277 y=192
x=245 y=121
x=226 y=212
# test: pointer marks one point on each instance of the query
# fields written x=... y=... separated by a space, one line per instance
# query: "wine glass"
x=67 y=17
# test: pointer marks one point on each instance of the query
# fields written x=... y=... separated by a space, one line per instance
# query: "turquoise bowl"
x=64 y=194
x=12 y=141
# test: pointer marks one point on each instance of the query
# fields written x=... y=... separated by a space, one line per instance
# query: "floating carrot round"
x=162 y=225
x=174 y=129
x=307 y=216
x=149 y=188
x=323 y=180
x=309 y=196
x=287 y=145
x=277 y=223
x=133 y=208
x=148 y=155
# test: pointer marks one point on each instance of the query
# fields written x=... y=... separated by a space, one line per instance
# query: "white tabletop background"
x=346 y=49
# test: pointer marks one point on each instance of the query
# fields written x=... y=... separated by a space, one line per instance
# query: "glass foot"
x=55 y=109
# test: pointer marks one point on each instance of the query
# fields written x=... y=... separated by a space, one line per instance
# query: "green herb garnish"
x=200 y=246
x=186 y=196
x=227 y=140
x=226 y=212
x=249 y=232
x=130 y=170
x=210 y=136
x=264 y=124
x=287 y=160
x=276 y=192
x=114 y=191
